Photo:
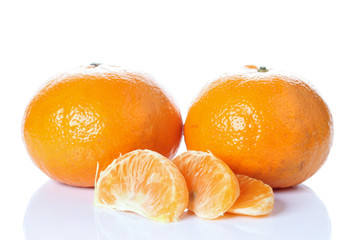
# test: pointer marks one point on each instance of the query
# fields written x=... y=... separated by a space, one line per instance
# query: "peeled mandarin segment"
x=212 y=185
x=143 y=182
x=256 y=199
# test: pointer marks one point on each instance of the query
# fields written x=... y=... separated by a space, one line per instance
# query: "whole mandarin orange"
x=91 y=115
x=263 y=124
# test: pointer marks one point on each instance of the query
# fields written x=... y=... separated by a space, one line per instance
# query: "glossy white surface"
x=57 y=211
x=183 y=45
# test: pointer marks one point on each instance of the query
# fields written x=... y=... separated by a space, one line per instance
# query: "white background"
x=183 y=44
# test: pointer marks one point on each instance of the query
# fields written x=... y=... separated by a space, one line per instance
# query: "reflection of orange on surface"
x=143 y=182
x=256 y=198
x=212 y=185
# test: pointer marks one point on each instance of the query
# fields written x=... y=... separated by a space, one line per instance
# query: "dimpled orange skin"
x=93 y=114
x=263 y=124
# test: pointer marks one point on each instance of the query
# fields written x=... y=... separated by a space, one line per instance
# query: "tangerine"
x=91 y=115
x=264 y=124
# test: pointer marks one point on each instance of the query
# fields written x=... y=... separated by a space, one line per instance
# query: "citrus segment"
x=212 y=186
x=256 y=199
x=143 y=182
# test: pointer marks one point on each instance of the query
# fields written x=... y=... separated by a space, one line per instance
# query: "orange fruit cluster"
x=151 y=185
x=246 y=133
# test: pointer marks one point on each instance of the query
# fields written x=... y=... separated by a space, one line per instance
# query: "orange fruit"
x=256 y=198
x=212 y=186
x=264 y=124
x=92 y=114
x=144 y=182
